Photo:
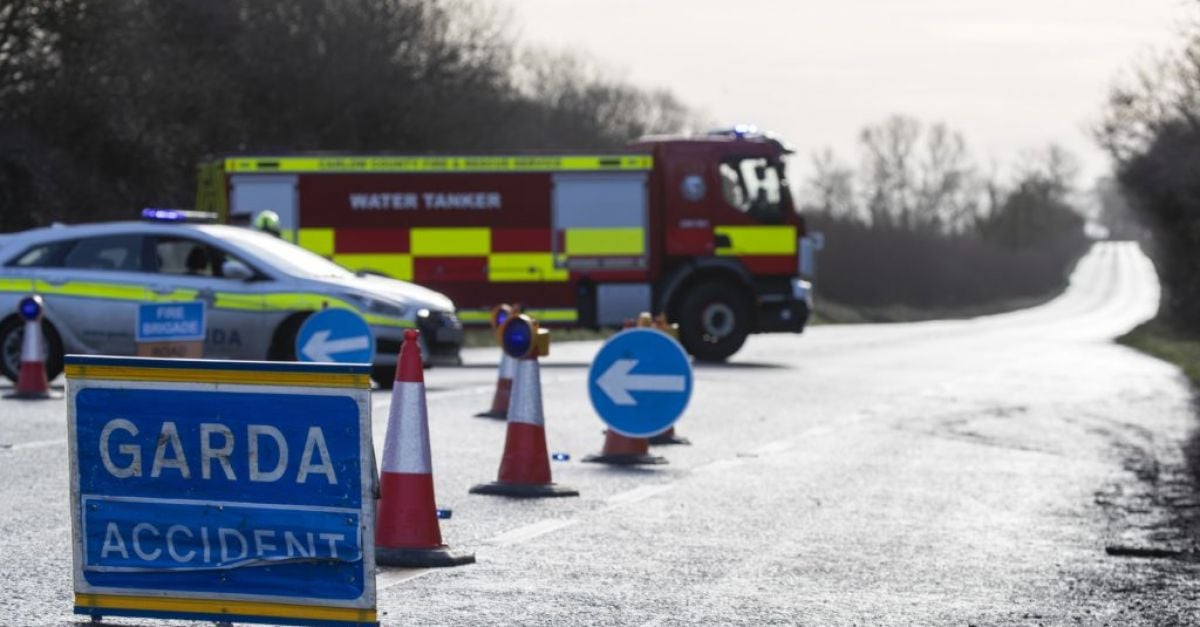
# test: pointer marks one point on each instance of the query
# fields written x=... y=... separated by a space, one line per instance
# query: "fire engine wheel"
x=713 y=321
x=12 y=331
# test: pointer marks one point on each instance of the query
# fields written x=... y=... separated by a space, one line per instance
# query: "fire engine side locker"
x=600 y=226
x=251 y=193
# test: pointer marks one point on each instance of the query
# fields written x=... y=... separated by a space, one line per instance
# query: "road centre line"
x=639 y=493
x=531 y=531
x=388 y=577
x=33 y=445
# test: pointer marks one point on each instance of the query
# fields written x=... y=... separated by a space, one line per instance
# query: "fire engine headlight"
x=371 y=304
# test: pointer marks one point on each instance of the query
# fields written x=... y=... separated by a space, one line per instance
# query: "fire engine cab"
x=703 y=229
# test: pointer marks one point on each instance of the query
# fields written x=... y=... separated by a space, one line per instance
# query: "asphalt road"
x=959 y=472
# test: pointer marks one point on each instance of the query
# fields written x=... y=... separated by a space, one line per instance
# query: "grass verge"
x=1159 y=339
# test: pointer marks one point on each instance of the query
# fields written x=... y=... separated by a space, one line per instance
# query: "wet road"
x=962 y=472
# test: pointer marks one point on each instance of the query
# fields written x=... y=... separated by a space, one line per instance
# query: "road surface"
x=953 y=472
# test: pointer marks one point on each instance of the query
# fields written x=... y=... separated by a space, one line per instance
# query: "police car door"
x=189 y=269
x=95 y=291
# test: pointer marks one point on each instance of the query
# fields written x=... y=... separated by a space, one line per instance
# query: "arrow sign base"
x=668 y=437
x=620 y=450
x=524 y=490
x=625 y=459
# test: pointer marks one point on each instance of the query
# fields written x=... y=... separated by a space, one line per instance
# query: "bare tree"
x=830 y=187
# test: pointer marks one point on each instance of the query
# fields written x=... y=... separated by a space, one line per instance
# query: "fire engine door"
x=600 y=221
x=253 y=193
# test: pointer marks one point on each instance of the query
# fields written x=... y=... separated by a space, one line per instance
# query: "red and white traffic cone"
x=525 y=466
x=504 y=385
x=406 y=525
x=620 y=450
x=32 y=383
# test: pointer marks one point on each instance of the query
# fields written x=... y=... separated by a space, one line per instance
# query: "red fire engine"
x=703 y=229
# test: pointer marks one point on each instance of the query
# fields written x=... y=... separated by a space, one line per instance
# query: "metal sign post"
x=222 y=491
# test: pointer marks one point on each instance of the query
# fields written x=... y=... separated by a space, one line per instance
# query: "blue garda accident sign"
x=224 y=491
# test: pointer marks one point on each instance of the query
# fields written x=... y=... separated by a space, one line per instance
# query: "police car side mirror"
x=236 y=270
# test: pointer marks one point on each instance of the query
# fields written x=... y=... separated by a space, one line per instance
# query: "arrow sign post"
x=640 y=382
x=335 y=335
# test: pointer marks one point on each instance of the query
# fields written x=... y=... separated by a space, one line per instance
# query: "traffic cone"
x=525 y=466
x=406 y=525
x=504 y=384
x=31 y=378
x=620 y=450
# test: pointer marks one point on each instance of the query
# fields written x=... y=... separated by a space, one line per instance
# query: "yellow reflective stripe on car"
x=16 y=285
x=450 y=242
x=758 y=240
x=316 y=302
x=562 y=163
x=593 y=241
x=397 y=266
x=388 y=321
x=512 y=267
x=89 y=289
x=177 y=296
x=234 y=300
x=319 y=241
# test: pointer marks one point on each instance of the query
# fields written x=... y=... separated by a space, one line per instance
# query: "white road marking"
x=387 y=577
x=32 y=445
x=720 y=464
x=781 y=446
x=531 y=531
x=640 y=493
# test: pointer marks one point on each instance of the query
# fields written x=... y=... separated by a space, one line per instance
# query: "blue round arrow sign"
x=640 y=382
x=337 y=335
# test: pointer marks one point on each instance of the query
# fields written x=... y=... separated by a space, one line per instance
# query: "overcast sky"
x=1009 y=74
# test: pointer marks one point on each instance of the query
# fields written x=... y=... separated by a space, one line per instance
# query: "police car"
x=257 y=288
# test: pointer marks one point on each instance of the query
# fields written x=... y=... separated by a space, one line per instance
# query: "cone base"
x=663 y=439
x=435 y=557
x=32 y=396
x=524 y=490
x=625 y=460
x=491 y=413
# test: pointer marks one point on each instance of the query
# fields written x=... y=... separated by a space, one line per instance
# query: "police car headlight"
x=370 y=304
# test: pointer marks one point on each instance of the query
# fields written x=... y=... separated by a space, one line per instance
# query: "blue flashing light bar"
x=155 y=214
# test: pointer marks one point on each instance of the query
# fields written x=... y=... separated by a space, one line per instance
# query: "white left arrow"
x=320 y=348
x=617 y=382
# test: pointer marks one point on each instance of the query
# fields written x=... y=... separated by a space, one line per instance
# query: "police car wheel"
x=12 y=331
x=713 y=321
x=385 y=376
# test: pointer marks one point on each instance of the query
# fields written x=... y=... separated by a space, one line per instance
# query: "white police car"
x=258 y=290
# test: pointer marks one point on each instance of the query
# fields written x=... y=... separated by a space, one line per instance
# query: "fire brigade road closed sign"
x=335 y=335
x=222 y=491
x=170 y=322
x=640 y=382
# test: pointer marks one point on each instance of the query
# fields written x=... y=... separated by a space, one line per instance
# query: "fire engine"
x=703 y=229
